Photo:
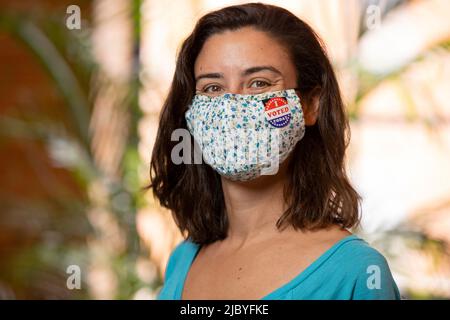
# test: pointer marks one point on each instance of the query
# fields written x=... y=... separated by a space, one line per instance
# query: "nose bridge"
x=235 y=85
x=233 y=80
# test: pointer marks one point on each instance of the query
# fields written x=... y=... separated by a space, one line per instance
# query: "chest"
x=251 y=274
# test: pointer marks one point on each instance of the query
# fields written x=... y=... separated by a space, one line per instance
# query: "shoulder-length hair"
x=318 y=193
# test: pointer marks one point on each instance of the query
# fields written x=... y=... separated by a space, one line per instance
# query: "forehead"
x=241 y=49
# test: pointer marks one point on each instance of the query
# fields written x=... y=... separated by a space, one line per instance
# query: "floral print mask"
x=244 y=136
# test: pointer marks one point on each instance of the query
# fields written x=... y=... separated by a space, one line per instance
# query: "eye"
x=215 y=88
x=259 y=84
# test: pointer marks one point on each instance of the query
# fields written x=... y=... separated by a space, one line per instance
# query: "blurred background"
x=81 y=87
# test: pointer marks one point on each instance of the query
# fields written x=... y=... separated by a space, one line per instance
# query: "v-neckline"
x=280 y=290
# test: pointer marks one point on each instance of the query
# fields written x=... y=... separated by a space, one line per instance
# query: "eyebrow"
x=246 y=72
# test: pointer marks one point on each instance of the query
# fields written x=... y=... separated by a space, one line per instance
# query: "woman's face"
x=244 y=61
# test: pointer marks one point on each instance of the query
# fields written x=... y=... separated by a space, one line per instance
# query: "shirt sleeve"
x=374 y=280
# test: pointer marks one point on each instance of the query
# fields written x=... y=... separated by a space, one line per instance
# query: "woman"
x=266 y=214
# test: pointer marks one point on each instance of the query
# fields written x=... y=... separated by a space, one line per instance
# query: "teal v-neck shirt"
x=350 y=269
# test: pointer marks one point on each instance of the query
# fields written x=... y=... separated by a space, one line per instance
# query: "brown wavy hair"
x=318 y=192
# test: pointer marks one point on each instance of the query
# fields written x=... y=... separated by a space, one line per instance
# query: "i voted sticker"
x=277 y=111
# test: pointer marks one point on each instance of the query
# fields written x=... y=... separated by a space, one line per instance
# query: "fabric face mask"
x=244 y=136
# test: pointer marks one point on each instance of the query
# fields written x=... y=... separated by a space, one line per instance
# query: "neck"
x=253 y=207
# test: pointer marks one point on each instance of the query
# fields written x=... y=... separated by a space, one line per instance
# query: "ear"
x=310 y=106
